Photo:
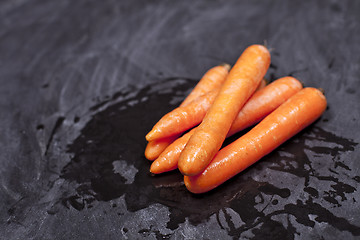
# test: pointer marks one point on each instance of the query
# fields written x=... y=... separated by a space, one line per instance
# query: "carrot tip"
x=154 y=168
x=226 y=66
x=149 y=137
x=149 y=157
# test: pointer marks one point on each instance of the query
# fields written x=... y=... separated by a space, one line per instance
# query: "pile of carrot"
x=225 y=101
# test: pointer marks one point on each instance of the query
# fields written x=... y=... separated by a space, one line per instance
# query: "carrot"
x=212 y=79
x=240 y=84
x=290 y=118
x=182 y=118
x=156 y=147
x=257 y=107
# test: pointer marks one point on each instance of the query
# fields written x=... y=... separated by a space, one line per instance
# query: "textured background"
x=82 y=82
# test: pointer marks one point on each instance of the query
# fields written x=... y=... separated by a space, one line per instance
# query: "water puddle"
x=107 y=162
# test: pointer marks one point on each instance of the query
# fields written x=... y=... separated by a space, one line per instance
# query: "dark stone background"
x=82 y=82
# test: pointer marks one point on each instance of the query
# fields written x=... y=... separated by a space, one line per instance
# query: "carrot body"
x=240 y=84
x=257 y=107
x=264 y=102
x=156 y=147
x=291 y=117
x=212 y=80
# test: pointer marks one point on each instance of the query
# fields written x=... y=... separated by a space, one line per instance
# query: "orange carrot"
x=156 y=147
x=240 y=84
x=182 y=118
x=257 y=107
x=212 y=79
x=290 y=118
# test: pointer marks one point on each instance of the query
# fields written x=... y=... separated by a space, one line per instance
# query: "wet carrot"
x=156 y=147
x=257 y=107
x=240 y=84
x=290 y=118
x=212 y=79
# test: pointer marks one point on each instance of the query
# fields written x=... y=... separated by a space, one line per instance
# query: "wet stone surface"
x=112 y=136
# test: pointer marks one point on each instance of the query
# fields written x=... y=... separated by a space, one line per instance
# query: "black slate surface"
x=82 y=82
